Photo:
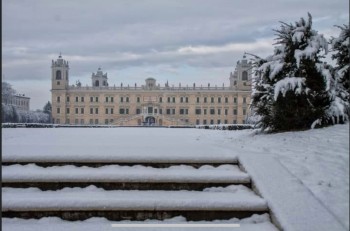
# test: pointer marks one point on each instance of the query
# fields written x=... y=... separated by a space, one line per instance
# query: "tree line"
x=11 y=114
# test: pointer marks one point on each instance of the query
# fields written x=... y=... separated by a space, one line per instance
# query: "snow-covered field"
x=319 y=158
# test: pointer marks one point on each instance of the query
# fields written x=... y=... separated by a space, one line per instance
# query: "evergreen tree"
x=47 y=109
x=292 y=87
x=341 y=46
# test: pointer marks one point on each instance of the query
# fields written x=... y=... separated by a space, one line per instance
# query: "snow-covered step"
x=112 y=177
x=116 y=173
x=116 y=157
x=231 y=201
x=253 y=223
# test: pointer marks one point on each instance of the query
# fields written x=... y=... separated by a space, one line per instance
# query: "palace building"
x=151 y=103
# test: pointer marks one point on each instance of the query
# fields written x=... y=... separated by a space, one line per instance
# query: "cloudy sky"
x=187 y=41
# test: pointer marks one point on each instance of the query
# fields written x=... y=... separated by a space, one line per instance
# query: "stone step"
x=116 y=173
x=82 y=203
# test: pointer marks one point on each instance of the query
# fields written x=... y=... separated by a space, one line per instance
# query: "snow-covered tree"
x=7 y=92
x=341 y=47
x=293 y=89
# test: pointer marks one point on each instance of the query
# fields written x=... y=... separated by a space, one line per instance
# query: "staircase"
x=128 y=189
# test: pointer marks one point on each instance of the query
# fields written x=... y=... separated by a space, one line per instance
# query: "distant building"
x=149 y=104
x=20 y=101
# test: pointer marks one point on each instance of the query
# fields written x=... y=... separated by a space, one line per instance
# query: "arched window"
x=244 y=76
x=97 y=83
x=66 y=75
x=58 y=75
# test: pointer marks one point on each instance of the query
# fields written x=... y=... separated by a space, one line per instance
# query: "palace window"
x=212 y=99
x=244 y=76
x=138 y=99
x=82 y=110
x=96 y=110
x=106 y=111
x=219 y=111
x=138 y=111
x=58 y=110
x=205 y=111
x=58 y=99
x=127 y=99
x=67 y=110
x=91 y=111
x=197 y=99
x=121 y=111
x=212 y=111
x=91 y=99
x=205 y=99
x=112 y=99
x=58 y=75
x=160 y=100
x=234 y=100
x=244 y=100
x=76 y=110
x=198 y=111
x=204 y=121
x=186 y=99
x=244 y=111
x=76 y=99
x=226 y=99
x=67 y=98
x=219 y=100
x=82 y=99
x=112 y=110
x=235 y=111
x=106 y=99
x=96 y=98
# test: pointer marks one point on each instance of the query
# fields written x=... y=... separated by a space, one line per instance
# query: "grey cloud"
x=121 y=35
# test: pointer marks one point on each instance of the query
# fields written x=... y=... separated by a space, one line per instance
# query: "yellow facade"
x=149 y=104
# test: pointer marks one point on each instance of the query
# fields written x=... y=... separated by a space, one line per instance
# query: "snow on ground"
x=319 y=158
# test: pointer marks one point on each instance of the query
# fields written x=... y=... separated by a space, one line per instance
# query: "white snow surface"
x=116 y=173
x=253 y=223
x=233 y=197
x=318 y=158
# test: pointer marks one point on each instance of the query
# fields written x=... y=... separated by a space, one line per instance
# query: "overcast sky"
x=183 y=41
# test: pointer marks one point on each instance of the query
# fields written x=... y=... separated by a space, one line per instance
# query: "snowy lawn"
x=319 y=158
